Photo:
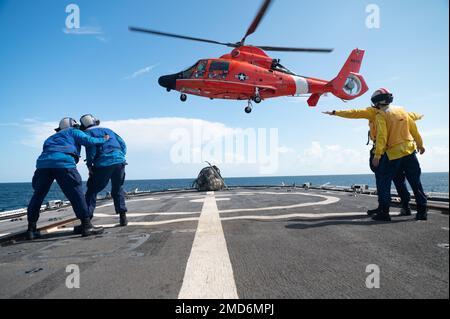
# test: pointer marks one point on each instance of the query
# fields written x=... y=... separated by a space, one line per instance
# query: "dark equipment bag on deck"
x=209 y=179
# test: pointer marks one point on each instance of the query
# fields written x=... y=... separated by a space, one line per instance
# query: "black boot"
x=123 y=219
x=77 y=230
x=383 y=215
x=406 y=210
x=422 y=212
x=87 y=229
x=372 y=212
x=32 y=231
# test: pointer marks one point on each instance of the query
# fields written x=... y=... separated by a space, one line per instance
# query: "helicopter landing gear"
x=168 y=90
x=183 y=97
x=249 y=108
x=257 y=99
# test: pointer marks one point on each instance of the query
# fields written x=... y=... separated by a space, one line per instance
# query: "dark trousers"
x=399 y=181
x=388 y=170
x=70 y=182
x=99 y=180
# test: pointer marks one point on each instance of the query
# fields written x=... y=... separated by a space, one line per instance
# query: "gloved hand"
x=376 y=162
x=421 y=150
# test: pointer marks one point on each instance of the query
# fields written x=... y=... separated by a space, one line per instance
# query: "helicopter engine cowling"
x=252 y=55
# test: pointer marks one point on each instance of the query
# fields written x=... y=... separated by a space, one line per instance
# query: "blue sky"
x=46 y=74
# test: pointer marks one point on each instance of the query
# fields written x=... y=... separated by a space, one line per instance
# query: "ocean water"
x=17 y=195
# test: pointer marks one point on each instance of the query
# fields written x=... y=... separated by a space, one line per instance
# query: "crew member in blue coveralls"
x=105 y=162
x=58 y=161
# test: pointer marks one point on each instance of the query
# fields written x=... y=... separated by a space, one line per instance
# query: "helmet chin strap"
x=380 y=106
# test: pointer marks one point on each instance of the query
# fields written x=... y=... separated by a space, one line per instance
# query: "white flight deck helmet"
x=88 y=120
x=67 y=122
x=382 y=97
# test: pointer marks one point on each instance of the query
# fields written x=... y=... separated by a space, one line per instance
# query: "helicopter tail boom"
x=349 y=84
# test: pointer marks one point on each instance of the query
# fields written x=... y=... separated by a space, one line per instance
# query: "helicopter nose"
x=168 y=81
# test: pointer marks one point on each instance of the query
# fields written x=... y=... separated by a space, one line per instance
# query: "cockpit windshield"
x=196 y=71
x=188 y=73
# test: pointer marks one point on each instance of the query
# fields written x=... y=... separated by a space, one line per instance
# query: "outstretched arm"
x=415 y=116
x=354 y=114
x=86 y=140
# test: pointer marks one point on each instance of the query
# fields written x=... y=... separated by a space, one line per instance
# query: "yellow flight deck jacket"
x=370 y=114
x=397 y=133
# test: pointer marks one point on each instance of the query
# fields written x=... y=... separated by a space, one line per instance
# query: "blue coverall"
x=58 y=161
x=106 y=162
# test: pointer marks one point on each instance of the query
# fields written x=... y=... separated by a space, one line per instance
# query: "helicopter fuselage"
x=248 y=73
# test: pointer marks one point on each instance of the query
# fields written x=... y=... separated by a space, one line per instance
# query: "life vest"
x=397 y=122
x=372 y=135
x=109 y=146
x=372 y=131
x=63 y=142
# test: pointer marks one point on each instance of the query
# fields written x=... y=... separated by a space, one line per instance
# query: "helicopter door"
x=219 y=70
x=201 y=70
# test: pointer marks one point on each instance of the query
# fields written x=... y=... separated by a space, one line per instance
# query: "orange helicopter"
x=248 y=73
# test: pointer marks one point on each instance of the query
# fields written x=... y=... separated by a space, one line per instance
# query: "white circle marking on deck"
x=130 y=201
x=328 y=201
x=307 y=216
x=100 y=215
x=154 y=223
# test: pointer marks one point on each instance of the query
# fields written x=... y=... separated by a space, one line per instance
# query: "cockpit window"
x=188 y=73
x=219 y=69
x=219 y=66
x=201 y=69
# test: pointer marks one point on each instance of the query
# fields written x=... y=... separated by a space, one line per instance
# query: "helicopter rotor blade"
x=178 y=36
x=288 y=49
x=262 y=11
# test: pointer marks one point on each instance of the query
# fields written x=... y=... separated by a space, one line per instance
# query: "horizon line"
x=271 y=176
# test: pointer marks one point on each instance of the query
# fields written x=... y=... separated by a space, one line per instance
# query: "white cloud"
x=155 y=133
x=285 y=150
x=151 y=140
x=435 y=159
x=332 y=159
x=184 y=142
x=38 y=132
x=437 y=132
x=141 y=72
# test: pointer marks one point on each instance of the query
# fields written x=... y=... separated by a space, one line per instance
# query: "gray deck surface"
x=278 y=244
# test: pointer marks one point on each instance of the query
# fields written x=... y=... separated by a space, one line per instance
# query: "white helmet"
x=66 y=123
x=88 y=120
x=382 y=96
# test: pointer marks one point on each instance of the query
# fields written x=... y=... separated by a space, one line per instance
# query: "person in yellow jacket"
x=398 y=138
x=370 y=114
